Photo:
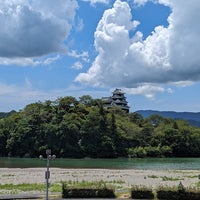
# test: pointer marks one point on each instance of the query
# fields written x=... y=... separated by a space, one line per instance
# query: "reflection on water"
x=119 y=163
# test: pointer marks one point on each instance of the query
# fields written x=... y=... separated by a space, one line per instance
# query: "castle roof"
x=117 y=99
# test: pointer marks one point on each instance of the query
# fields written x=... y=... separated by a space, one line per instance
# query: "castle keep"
x=117 y=99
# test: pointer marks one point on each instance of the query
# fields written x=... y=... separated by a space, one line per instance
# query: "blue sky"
x=148 y=48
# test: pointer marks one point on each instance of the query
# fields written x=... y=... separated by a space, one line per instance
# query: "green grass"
x=7 y=175
x=115 y=182
x=26 y=187
x=57 y=187
x=94 y=184
x=86 y=184
x=192 y=176
x=23 y=187
x=198 y=184
x=152 y=176
x=165 y=178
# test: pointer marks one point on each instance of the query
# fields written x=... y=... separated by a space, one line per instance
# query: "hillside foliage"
x=83 y=128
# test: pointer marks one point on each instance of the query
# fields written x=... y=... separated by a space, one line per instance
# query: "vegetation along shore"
x=85 y=128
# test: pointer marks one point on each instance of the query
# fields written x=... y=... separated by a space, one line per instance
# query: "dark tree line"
x=83 y=128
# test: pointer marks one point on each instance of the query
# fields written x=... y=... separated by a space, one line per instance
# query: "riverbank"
x=124 y=178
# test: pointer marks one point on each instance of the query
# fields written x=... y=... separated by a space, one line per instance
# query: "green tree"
x=86 y=100
x=138 y=152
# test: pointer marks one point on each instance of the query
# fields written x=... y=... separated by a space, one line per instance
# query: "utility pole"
x=47 y=172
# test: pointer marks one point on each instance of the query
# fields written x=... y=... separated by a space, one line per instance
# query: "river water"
x=119 y=163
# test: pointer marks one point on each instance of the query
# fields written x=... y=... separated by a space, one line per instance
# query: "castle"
x=117 y=99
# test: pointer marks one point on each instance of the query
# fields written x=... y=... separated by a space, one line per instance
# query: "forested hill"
x=191 y=117
x=84 y=128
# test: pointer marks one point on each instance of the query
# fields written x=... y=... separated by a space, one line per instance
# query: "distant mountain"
x=192 y=117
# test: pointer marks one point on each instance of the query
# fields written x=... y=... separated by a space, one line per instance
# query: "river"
x=119 y=163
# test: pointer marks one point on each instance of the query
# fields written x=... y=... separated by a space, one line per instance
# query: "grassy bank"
x=111 y=189
x=28 y=187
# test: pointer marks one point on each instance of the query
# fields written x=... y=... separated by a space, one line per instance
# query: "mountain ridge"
x=192 y=117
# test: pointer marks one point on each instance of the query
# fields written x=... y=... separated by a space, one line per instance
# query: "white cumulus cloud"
x=140 y=2
x=167 y=55
x=92 y=2
x=148 y=90
x=34 y=28
x=77 y=65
